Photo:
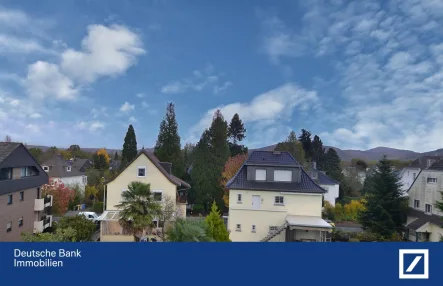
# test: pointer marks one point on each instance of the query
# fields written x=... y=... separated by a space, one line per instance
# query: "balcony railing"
x=113 y=228
x=44 y=203
x=42 y=224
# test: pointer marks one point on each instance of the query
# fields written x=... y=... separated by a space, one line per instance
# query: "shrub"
x=197 y=208
x=353 y=240
x=329 y=211
x=98 y=207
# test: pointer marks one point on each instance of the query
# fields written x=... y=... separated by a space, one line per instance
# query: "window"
x=157 y=196
x=9 y=226
x=5 y=174
x=45 y=168
x=20 y=222
x=253 y=228
x=85 y=180
x=428 y=208
x=141 y=172
x=22 y=196
x=238 y=227
x=414 y=175
x=282 y=176
x=273 y=228
x=416 y=204
x=68 y=169
x=279 y=200
x=24 y=172
x=10 y=199
x=239 y=197
x=260 y=175
x=432 y=180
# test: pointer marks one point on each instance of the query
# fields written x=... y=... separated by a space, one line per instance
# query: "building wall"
x=268 y=214
x=154 y=177
x=72 y=181
x=407 y=177
x=427 y=193
x=436 y=233
x=332 y=194
x=15 y=211
x=116 y=238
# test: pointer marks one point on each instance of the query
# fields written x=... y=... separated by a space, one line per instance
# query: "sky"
x=360 y=74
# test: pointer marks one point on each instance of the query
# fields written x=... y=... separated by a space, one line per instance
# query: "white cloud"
x=106 y=51
x=13 y=44
x=145 y=104
x=271 y=109
x=132 y=119
x=222 y=88
x=45 y=80
x=200 y=80
x=140 y=95
x=97 y=112
x=91 y=126
x=126 y=107
x=35 y=115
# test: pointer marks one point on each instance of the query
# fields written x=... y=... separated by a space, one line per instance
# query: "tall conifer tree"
x=129 y=147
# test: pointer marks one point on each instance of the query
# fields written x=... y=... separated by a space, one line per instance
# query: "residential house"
x=145 y=168
x=21 y=207
x=71 y=172
x=330 y=185
x=409 y=173
x=271 y=198
x=354 y=172
x=425 y=221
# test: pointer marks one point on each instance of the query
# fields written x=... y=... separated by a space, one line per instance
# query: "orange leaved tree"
x=62 y=195
x=231 y=168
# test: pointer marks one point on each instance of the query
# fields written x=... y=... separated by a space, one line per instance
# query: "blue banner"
x=221 y=264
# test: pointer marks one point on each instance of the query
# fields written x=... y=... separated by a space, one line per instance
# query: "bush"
x=329 y=212
x=98 y=207
x=353 y=240
x=198 y=208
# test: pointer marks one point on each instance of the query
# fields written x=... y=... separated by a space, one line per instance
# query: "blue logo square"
x=413 y=263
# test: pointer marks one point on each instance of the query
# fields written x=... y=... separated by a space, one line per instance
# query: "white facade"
x=333 y=192
x=408 y=176
x=81 y=181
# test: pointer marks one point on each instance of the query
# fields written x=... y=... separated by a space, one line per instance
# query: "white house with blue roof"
x=331 y=186
x=271 y=198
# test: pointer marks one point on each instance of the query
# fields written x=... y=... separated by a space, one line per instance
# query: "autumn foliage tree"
x=62 y=195
x=101 y=159
x=231 y=168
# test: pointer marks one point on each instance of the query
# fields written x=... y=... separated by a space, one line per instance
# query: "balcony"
x=42 y=204
x=42 y=224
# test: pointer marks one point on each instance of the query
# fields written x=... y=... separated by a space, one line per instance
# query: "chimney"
x=314 y=165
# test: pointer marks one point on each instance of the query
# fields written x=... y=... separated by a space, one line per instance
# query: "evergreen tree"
x=318 y=152
x=293 y=146
x=129 y=147
x=332 y=165
x=219 y=138
x=168 y=147
x=386 y=208
x=115 y=156
x=236 y=130
x=305 y=139
x=216 y=227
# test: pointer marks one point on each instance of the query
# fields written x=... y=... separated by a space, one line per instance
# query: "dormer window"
x=260 y=175
x=283 y=176
x=46 y=168
x=68 y=168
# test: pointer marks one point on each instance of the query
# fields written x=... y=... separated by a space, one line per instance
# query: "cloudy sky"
x=360 y=74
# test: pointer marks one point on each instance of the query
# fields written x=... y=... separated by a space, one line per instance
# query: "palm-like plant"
x=138 y=208
x=189 y=231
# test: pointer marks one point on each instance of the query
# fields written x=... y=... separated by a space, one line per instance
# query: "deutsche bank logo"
x=414 y=264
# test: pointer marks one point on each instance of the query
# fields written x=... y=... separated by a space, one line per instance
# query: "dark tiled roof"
x=269 y=158
x=422 y=219
x=306 y=184
x=438 y=166
x=57 y=167
x=173 y=179
x=323 y=179
x=6 y=149
x=422 y=162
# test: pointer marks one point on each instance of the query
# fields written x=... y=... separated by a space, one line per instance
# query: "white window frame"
x=286 y=180
x=9 y=226
x=20 y=220
x=254 y=228
x=158 y=192
x=238 y=227
x=12 y=199
x=256 y=171
x=239 y=198
x=273 y=228
x=430 y=208
x=138 y=169
x=416 y=204
x=68 y=169
x=278 y=203
x=46 y=168
x=23 y=172
x=85 y=180
x=431 y=180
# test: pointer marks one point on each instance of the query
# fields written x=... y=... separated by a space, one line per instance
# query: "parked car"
x=90 y=215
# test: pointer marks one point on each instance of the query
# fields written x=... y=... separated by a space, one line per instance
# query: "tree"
x=94 y=177
x=188 y=154
x=332 y=165
x=186 y=230
x=62 y=195
x=216 y=227
x=66 y=154
x=236 y=133
x=318 y=152
x=293 y=146
x=138 y=208
x=386 y=207
x=84 y=228
x=129 y=147
x=8 y=139
x=74 y=148
x=168 y=213
x=231 y=168
x=168 y=146
x=116 y=156
x=37 y=153
x=51 y=152
x=101 y=159
x=305 y=139
x=359 y=164
x=60 y=235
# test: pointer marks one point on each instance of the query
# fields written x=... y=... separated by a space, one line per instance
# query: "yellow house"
x=425 y=221
x=271 y=198
x=145 y=168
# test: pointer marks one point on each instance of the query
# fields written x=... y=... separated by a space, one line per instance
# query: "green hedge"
x=98 y=207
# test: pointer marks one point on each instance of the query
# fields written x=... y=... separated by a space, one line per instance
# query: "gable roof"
x=323 y=179
x=6 y=148
x=57 y=167
x=272 y=159
x=422 y=162
x=173 y=179
x=422 y=219
x=437 y=166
